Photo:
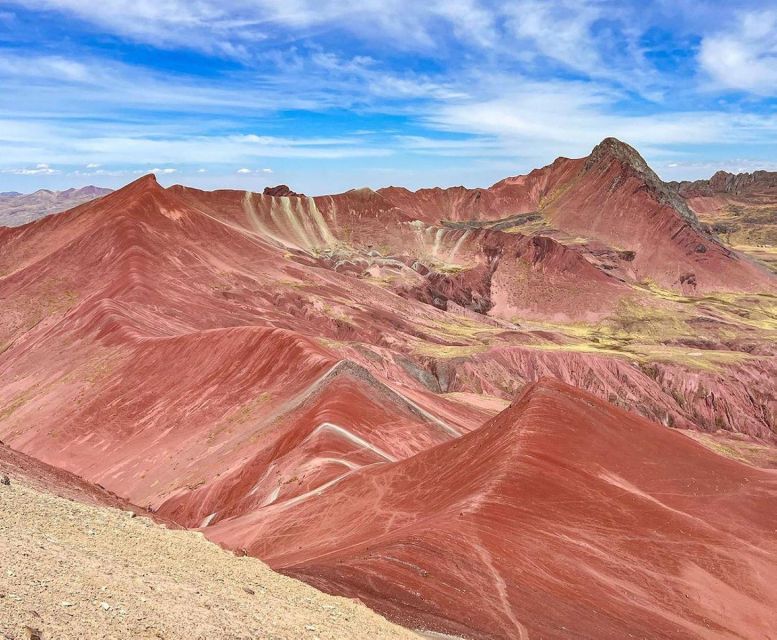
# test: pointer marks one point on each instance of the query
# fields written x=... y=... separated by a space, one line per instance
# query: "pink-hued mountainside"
x=545 y=409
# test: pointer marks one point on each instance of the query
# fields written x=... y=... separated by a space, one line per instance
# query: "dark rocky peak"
x=281 y=190
x=612 y=150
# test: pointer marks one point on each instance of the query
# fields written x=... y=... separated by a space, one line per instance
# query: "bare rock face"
x=723 y=182
x=281 y=190
x=465 y=424
x=612 y=149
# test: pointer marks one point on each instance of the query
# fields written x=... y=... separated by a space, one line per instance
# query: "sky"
x=327 y=95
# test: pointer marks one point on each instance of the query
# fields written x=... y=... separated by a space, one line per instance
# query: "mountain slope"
x=237 y=362
x=19 y=208
x=76 y=570
x=561 y=517
x=612 y=197
x=741 y=209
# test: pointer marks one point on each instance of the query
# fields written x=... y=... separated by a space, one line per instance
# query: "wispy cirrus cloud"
x=744 y=55
x=40 y=169
x=329 y=89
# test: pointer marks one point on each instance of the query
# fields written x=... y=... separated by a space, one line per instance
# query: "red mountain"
x=613 y=197
x=561 y=517
x=317 y=380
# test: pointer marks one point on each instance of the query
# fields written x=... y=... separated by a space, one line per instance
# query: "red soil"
x=561 y=517
x=20 y=467
x=611 y=196
x=242 y=363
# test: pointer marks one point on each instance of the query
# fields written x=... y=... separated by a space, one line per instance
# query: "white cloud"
x=744 y=57
x=559 y=30
x=164 y=171
x=493 y=94
x=54 y=67
x=572 y=117
x=244 y=171
x=231 y=27
x=38 y=169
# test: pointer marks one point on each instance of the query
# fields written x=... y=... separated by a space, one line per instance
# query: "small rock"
x=249 y=591
x=105 y=606
x=4 y=479
x=310 y=627
x=65 y=603
x=31 y=633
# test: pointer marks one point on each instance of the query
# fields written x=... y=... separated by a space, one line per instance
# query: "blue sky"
x=325 y=95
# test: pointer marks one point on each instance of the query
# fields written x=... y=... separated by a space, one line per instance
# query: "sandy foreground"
x=72 y=570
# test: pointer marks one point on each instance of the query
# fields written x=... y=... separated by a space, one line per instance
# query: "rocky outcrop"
x=282 y=190
x=723 y=182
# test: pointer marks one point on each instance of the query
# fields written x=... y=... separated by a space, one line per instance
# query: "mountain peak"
x=147 y=181
x=619 y=150
x=281 y=190
x=146 y=184
x=611 y=149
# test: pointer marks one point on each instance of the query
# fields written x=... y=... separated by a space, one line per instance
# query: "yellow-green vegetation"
x=239 y=415
x=706 y=359
x=738 y=448
x=749 y=228
x=657 y=325
x=329 y=343
x=722 y=449
x=8 y=410
x=547 y=200
x=641 y=320
x=336 y=313
x=459 y=327
x=290 y=284
x=455 y=336
x=445 y=351
x=450 y=268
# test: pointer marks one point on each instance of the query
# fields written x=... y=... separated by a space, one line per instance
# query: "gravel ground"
x=73 y=570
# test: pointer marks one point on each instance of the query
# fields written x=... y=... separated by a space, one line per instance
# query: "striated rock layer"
x=561 y=517
x=307 y=378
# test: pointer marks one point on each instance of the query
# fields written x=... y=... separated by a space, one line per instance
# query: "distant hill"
x=458 y=406
x=17 y=208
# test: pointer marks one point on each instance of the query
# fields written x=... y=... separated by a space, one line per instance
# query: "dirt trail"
x=72 y=570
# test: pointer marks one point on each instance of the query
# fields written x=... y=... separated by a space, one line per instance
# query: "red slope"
x=533 y=277
x=618 y=199
x=511 y=196
x=612 y=196
x=176 y=370
x=561 y=517
x=521 y=277
x=165 y=366
x=22 y=468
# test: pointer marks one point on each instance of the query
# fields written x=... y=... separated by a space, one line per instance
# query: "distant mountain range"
x=480 y=412
x=20 y=208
